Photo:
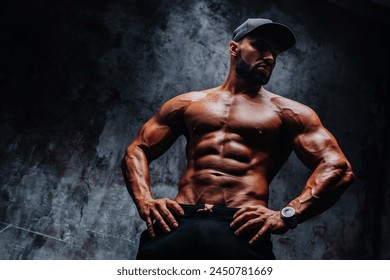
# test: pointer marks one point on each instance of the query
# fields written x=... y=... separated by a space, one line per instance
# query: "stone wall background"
x=79 y=78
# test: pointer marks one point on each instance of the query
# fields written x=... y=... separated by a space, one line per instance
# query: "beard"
x=249 y=73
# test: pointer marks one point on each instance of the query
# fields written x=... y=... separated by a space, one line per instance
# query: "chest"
x=258 y=119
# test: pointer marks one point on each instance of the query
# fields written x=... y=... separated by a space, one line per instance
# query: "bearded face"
x=256 y=59
x=256 y=74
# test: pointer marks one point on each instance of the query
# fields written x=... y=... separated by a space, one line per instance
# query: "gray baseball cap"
x=278 y=33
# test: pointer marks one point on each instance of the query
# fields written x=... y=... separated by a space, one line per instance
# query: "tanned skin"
x=238 y=137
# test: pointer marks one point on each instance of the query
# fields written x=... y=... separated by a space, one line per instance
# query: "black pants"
x=203 y=236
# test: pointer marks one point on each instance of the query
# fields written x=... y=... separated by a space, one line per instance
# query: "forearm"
x=323 y=189
x=135 y=169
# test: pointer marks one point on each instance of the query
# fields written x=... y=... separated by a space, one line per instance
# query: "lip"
x=266 y=66
x=263 y=67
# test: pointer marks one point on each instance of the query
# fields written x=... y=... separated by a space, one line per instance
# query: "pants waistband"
x=204 y=210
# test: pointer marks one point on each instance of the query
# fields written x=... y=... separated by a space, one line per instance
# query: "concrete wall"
x=79 y=78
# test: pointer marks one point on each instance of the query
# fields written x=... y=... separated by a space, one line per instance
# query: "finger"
x=167 y=215
x=176 y=207
x=149 y=225
x=245 y=210
x=251 y=224
x=160 y=220
x=239 y=220
x=260 y=234
x=239 y=212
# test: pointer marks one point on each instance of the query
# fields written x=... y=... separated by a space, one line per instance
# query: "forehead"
x=261 y=42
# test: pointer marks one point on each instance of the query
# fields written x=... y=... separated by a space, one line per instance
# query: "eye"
x=261 y=46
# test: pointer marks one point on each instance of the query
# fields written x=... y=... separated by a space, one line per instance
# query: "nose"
x=269 y=58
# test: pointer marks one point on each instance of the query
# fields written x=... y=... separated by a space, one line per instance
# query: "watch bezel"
x=286 y=210
x=291 y=221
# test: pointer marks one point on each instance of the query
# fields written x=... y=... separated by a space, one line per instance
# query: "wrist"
x=142 y=199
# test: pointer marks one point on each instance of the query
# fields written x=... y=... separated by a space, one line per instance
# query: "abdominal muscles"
x=224 y=170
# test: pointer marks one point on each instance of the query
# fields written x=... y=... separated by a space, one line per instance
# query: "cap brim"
x=277 y=33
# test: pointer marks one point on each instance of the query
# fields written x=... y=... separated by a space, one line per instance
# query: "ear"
x=233 y=48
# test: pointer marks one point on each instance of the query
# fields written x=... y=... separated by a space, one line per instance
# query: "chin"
x=262 y=82
x=261 y=79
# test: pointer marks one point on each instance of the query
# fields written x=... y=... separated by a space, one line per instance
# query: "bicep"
x=161 y=131
x=155 y=138
x=315 y=145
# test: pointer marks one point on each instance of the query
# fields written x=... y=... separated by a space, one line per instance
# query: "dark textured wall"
x=79 y=78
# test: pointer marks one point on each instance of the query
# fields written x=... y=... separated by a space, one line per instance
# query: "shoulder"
x=184 y=99
x=295 y=115
x=176 y=106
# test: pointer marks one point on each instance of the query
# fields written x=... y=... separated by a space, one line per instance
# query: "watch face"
x=288 y=212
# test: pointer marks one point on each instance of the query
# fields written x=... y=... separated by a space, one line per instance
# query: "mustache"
x=263 y=64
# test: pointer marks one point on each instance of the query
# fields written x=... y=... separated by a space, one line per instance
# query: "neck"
x=235 y=84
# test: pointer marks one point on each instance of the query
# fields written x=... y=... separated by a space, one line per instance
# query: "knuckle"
x=159 y=202
x=259 y=234
x=165 y=213
x=157 y=216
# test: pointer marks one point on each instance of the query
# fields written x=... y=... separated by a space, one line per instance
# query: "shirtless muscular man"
x=238 y=137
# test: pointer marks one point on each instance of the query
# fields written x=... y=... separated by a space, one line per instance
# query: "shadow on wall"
x=78 y=79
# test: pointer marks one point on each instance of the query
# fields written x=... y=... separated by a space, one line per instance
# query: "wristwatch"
x=288 y=215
